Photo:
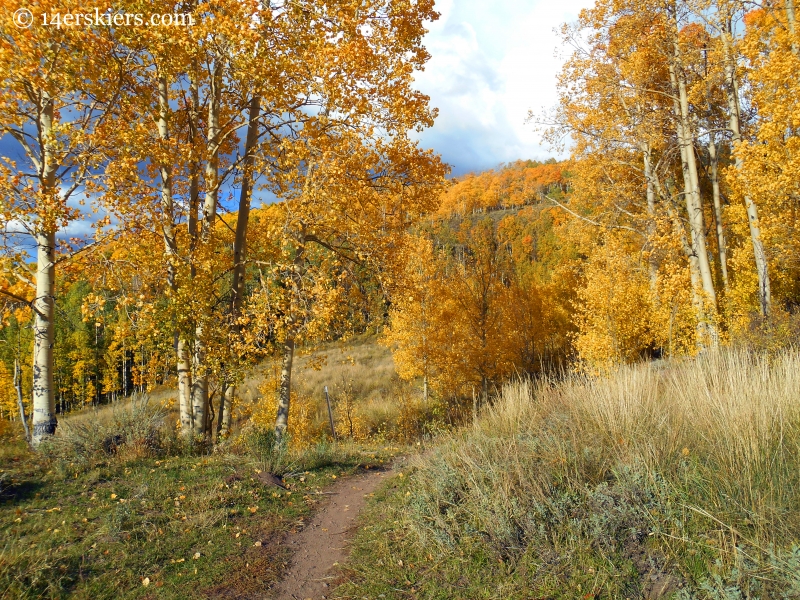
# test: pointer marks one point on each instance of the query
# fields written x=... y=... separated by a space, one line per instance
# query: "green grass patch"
x=142 y=527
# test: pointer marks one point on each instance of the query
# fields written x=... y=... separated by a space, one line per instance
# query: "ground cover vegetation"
x=595 y=354
x=670 y=480
x=125 y=509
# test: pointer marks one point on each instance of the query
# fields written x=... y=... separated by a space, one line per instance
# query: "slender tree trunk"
x=285 y=391
x=243 y=216
x=183 y=349
x=722 y=245
x=44 y=408
x=242 y=220
x=171 y=252
x=185 y=386
x=694 y=206
x=790 y=19
x=199 y=383
x=734 y=119
x=20 y=403
x=200 y=373
x=652 y=262
x=694 y=268
x=225 y=407
x=694 y=274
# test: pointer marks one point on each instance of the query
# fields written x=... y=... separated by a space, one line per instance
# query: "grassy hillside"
x=674 y=479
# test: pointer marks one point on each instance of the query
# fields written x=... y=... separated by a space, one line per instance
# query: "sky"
x=492 y=62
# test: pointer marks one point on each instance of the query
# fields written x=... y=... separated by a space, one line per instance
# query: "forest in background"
x=671 y=229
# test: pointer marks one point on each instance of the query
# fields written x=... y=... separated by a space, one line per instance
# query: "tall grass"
x=658 y=479
x=135 y=428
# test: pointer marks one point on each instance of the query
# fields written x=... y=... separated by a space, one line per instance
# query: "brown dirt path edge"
x=321 y=546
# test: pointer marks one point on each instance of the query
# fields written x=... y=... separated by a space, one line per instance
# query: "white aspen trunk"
x=20 y=403
x=185 y=386
x=652 y=263
x=284 y=391
x=226 y=406
x=694 y=275
x=721 y=242
x=734 y=120
x=44 y=407
x=694 y=268
x=200 y=373
x=790 y=19
x=199 y=384
x=171 y=253
x=694 y=203
x=694 y=206
x=183 y=346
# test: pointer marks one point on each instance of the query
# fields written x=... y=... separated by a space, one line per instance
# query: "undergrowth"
x=127 y=509
x=661 y=480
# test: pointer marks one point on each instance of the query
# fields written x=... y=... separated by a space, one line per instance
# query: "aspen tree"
x=724 y=20
x=58 y=87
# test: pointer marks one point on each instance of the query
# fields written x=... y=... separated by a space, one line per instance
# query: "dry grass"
x=163 y=399
x=368 y=397
x=660 y=479
x=362 y=363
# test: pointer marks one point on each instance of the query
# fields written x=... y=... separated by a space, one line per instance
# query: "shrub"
x=135 y=430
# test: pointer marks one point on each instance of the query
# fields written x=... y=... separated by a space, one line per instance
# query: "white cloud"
x=491 y=63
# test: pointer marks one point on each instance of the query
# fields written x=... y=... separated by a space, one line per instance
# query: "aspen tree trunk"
x=285 y=389
x=790 y=19
x=721 y=242
x=200 y=378
x=171 y=249
x=240 y=244
x=182 y=346
x=694 y=274
x=44 y=407
x=285 y=392
x=734 y=121
x=243 y=216
x=226 y=406
x=20 y=404
x=652 y=263
x=694 y=267
x=694 y=206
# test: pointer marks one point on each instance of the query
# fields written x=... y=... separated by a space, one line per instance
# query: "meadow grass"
x=123 y=508
x=670 y=479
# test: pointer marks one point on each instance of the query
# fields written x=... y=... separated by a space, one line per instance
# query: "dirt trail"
x=322 y=545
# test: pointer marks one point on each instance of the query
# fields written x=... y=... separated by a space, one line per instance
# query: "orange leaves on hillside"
x=517 y=184
x=473 y=306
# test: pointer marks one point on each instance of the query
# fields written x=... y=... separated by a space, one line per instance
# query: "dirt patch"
x=321 y=547
x=253 y=573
